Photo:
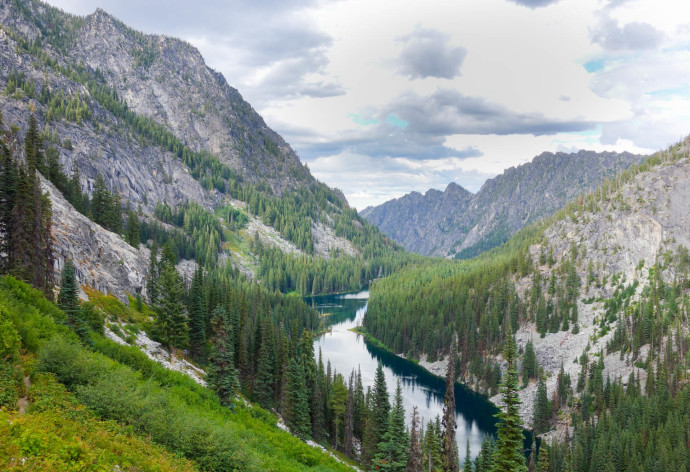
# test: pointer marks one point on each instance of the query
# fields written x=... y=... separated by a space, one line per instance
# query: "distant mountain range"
x=457 y=223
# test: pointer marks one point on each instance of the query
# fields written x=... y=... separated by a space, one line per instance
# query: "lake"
x=347 y=350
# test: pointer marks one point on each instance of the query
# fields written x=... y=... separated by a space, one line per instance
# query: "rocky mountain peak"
x=458 y=222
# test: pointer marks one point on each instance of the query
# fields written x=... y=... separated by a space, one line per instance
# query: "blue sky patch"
x=394 y=121
x=594 y=65
x=357 y=118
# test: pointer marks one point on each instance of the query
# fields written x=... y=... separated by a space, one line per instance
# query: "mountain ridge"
x=451 y=223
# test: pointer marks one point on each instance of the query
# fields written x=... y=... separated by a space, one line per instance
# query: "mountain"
x=455 y=222
x=168 y=136
x=597 y=289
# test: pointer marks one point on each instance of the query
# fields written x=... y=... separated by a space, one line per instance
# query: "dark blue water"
x=347 y=350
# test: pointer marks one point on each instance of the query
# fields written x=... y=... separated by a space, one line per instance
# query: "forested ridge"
x=539 y=282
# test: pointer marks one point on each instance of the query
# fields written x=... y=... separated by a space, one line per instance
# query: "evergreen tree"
x=377 y=420
x=197 y=317
x=133 y=228
x=508 y=455
x=350 y=416
x=543 y=463
x=393 y=452
x=33 y=147
x=171 y=320
x=432 y=446
x=414 y=462
x=152 y=276
x=297 y=404
x=8 y=183
x=68 y=300
x=449 y=449
x=263 y=382
x=222 y=375
x=467 y=465
x=530 y=367
x=100 y=202
x=541 y=412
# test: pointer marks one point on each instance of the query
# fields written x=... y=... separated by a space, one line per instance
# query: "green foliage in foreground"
x=165 y=406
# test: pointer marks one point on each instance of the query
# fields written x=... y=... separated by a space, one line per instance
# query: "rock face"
x=458 y=222
x=102 y=259
x=161 y=78
x=630 y=228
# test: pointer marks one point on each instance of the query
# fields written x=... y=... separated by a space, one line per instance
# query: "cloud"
x=416 y=127
x=426 y=54
x=447 y=111
x=633 y=36
x=534 y=3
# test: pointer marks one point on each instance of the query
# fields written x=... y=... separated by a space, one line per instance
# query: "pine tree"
x=377 y=420
x=222 y=375
x=541 y=412
x=68 y=300
x=392 y=452
x=297 y=405
x=133 y=228
x=33 y=147
x=508 y=456
x=543 y=463
x=100 y=202
x=432 y=446
x=414 y=462
x=8 y=182
x=263 y=382
x=350 y=416
x=171 y=319
x=449 y=450
x=467 y=466
x=152 y=276
x=530 y=367
x=197 y=317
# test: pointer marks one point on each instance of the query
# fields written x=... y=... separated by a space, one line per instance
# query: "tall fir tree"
x=508 y=456
x=68 y=300
x=222 y=375
x=377 y=420
x=393 y=450
x=414 y=462
x=263 y=382
x=349 y=447
x=152 y=275
x=297 y=404
x=541 y=411
x=197 y=317
x=171 y=319
x=449 y=450
x=133 y=228
x=8 y=183
x=467 y=464
x=530 y=367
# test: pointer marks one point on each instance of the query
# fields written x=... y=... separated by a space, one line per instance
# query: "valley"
x=175 y=280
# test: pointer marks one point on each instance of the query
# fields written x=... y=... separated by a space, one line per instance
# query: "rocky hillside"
x=626 y=240
x=148 y=115
x=456 y=222
x=158 y=77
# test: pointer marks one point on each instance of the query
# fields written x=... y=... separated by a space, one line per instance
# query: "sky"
x=384 y=97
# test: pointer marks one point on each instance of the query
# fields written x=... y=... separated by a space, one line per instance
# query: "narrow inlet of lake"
x=347 y=350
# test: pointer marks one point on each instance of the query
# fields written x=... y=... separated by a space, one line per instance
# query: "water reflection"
x=346 y=350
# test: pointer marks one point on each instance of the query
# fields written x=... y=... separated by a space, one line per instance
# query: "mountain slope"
x=603 y=282
x=145 y=113
x=455 y=222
